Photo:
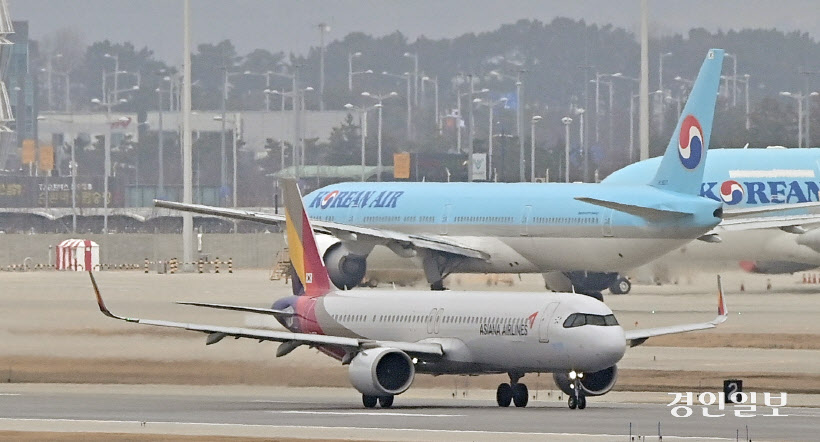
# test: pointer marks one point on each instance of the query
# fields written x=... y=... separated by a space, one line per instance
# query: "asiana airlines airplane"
x=387 y=337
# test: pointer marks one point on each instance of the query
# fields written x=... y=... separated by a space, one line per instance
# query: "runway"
x=338 y=414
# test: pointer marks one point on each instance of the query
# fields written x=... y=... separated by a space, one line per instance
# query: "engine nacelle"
x=810 y=239
x=345 y=268
x=579 y=281
x=381 y=372
x=594 y=384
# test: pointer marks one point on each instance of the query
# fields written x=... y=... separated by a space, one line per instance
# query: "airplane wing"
x=343 y=231
x=638 y=337
x=241 y=308
x=217 y=333
x=735 y=213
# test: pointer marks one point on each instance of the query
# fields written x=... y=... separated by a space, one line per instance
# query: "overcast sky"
x=291 y=25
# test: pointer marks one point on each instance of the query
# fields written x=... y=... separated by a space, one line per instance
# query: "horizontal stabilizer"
x=651 y=213
x=240 y=308
x=746 y=211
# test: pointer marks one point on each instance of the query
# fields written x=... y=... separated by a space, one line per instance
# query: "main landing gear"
x=383 y=401
x=577 y=399
x=513 y=392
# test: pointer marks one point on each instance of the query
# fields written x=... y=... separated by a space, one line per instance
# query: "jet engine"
x=381 y=371
x=580 y=281
x=594 y=384
x=345 y=268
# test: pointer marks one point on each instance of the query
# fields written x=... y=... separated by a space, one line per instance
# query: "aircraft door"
x=606 y=227
x=525 y=220
x=546 y=321
x=445 y=218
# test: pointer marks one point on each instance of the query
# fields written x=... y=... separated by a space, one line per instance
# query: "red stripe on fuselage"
x=306 y=312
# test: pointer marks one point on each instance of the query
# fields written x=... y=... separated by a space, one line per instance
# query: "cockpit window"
x=579 y=319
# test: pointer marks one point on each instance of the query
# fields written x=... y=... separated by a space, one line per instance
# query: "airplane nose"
x=612 y=346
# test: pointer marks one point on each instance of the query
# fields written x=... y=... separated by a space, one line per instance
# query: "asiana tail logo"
x=361 y=199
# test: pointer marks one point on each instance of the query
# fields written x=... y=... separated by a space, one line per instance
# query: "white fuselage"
x=479 y=332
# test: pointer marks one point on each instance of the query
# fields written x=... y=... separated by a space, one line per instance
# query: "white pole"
x=107 y=171
x=491 y=176
x=235 y=162
x=73 y=190
x=644 y=88
x=379 y=162
x=187 y=163
x=363 y=124
x=799 y=120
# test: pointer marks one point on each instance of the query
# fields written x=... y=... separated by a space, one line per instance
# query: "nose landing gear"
x=577 y=399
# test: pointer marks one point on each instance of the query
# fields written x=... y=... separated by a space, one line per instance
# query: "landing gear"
x=621 y=286
x=521 y=395
x=513 y=392
x=371 y=401
x=577 y=399
x=504 y=395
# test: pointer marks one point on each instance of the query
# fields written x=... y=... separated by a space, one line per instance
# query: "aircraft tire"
x=504 y=395
x=386 y=401
x=369 y=401
x=521 y=395
x=621 y=286
x=572 y=402
x=582 y=402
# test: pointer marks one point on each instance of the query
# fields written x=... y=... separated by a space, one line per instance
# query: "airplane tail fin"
x=304 y=255
x=681 y=169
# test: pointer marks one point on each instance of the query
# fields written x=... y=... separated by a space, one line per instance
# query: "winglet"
x=304 y=254
x=100 y=302
x=681 y=169
x=723 y=312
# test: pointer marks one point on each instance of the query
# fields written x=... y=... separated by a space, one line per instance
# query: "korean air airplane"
x=522 y=227
x=747 y=178
x=386 y=337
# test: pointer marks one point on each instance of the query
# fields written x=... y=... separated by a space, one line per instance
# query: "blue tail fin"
x=682 y=166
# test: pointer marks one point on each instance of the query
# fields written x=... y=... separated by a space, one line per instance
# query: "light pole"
x=519 y=114
x=580 y=113
x=734 y=78
x=460 y=117
x=363 y=124
x=116 y=58
x=407 y=77
x=745 y=82
x=323 y=28
x=415 y=57
x=160 y=148
x=660 y=69
x=567 y=121
x=234 y=137
x=491 y=106
x=434 y=80
x=631 y=110
x=378 y=105
x=350 y=57
x=533 y=121
x=799 y=98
